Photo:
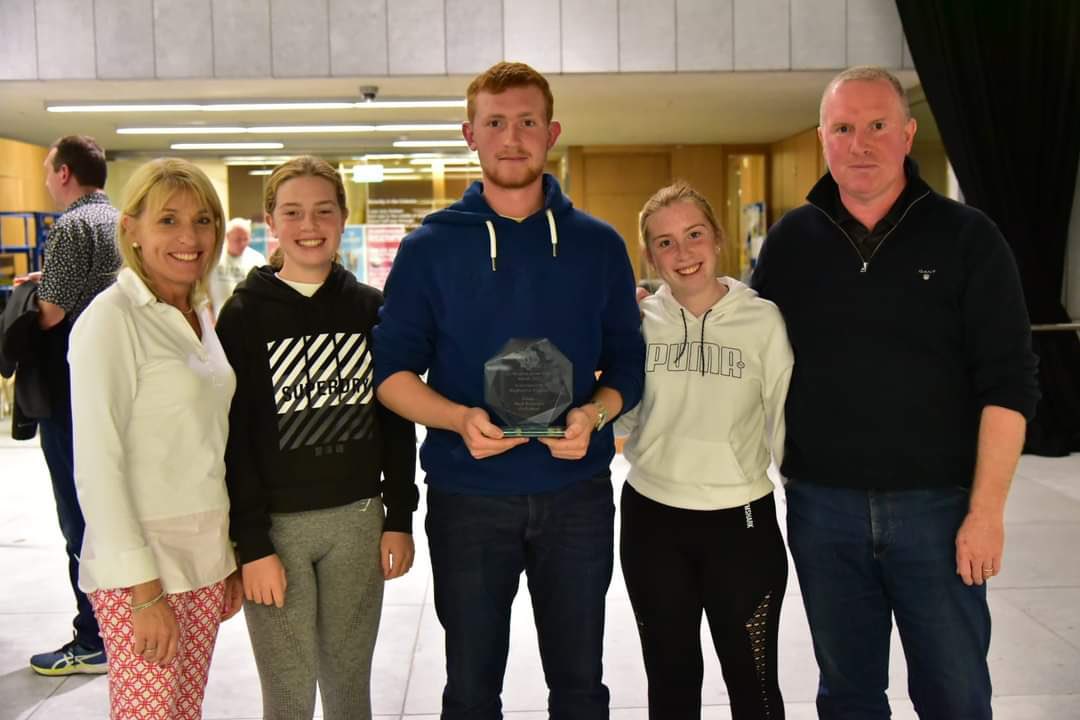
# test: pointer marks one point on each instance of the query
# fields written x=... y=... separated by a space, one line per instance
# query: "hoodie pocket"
x=688 y=460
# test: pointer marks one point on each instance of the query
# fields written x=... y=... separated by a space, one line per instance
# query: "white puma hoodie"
x=714 y=401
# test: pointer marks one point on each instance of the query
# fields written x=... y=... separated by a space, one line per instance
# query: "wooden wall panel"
x=613 y=182
x=617 y=184
x=703 y=167
x=22 y=186
x=796 y=164
x=245 y=193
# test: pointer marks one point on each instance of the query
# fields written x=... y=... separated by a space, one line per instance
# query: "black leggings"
x=730 y=563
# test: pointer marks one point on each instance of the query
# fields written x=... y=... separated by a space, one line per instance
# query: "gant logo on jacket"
x=322 y=388
x=680 y=357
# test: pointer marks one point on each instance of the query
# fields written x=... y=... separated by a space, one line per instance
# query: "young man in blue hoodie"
x=514 y=259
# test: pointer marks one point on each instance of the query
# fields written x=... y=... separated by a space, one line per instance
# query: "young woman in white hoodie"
x=699 y=529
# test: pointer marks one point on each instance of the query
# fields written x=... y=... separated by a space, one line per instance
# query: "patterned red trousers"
x=142 y=691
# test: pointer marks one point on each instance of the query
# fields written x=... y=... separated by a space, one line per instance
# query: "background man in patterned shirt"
x=81 y=260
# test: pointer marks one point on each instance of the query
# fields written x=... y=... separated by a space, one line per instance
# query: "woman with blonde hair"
x=151 y=389
x=314 y=461
x=699 y=531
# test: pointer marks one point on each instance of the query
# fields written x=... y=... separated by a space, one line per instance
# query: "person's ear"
x=129 y=225
x=909 y=132
x=554 y=130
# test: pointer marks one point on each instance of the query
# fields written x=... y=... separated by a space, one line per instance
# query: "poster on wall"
x=404 y=211
x=260 y=239
x=367 y=251
x=383 y=242
x=753 y=225
x=353 y=251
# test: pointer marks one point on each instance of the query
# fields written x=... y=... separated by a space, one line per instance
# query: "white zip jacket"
x=714 y=401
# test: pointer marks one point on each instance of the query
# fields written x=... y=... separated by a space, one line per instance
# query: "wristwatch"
x=601 y=415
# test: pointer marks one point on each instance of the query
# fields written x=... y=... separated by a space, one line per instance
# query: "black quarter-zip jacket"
x=305 y=429
x=896 y=354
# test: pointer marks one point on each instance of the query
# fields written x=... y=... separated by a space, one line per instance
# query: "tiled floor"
x=1035 y=656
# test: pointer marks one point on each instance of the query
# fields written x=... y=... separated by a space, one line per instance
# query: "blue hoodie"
x=469 y=280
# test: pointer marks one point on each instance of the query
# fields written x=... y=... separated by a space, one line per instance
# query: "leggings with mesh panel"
x=730 y=564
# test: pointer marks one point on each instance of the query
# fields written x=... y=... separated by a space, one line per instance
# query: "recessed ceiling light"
x=274 y=105
x=253 y=106
x=418 y=127
x=189 y=130
x=228 y=146
x=309 y=129
x=272 y=129
x=445 y=161
x=264 y=171
x=367 y=173
x=429 y=143
x=393 y=156
x=402 y=104
x=125 y=107
x=257 y=159
x=454 y=170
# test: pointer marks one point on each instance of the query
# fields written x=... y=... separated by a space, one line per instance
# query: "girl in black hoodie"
x=312 y=457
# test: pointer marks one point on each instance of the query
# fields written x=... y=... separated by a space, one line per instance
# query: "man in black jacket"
x=906 y=414
x=19 y=341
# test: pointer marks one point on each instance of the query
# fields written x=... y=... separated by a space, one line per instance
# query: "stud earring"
x=135 y=245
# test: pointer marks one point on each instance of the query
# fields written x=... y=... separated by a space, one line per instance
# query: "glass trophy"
x=528 y=384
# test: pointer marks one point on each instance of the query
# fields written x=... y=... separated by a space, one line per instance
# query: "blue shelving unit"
x=41 y=222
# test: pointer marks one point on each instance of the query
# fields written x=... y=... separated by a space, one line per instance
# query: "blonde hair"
x=148 y=189
x=503 y=76
x=679 y=191
x=303 y=166
x=865 y=73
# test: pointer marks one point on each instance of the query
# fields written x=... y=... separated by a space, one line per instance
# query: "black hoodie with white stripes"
x=305 y=430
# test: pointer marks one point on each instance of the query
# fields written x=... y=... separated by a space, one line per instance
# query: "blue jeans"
x=58 y=448
x=564 y=541
x=864 y=557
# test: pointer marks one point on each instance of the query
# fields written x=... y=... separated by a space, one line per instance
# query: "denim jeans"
x=564 y=541
x=864 y=557
x=56 y=444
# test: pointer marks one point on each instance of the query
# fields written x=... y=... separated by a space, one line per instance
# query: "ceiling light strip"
x=272 y=129
x=430 y=143
x=254 y=106
x=228 y=146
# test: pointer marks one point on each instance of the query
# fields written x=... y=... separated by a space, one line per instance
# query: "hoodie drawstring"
x=685 y=336
x=554 y=233
x=686 y=339
x=701 y=347
x=493 y=248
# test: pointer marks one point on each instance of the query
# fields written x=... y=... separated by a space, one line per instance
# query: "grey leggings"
x=326 y=631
